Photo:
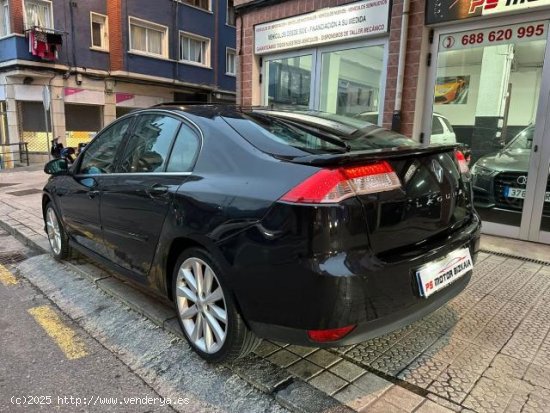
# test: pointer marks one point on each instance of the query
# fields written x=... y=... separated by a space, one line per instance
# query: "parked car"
x=442 y=130
x=500 y=179
x=301 y=227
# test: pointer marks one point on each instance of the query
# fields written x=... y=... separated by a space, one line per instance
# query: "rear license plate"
x=437 y=275
x=519 y=193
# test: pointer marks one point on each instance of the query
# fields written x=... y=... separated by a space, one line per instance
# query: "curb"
x=290 y=392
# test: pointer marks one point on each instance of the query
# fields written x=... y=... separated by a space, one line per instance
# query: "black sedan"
x=301 y=227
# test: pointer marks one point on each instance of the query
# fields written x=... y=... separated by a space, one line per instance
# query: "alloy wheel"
x=54 y=231
x=201 y=305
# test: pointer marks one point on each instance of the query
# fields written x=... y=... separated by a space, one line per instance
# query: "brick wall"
x=116 y=45
x=16 y=13
x=251 y=17
x=412 y=63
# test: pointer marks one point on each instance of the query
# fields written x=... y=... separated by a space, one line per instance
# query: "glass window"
x=350 y=80
x=437 y=127
x=4 y=18
x=148 y=147
x=231 y=66
x=39 y=13
x=99 y=31
x=99 y=156
x=185 y=150
x=230 y=13
x=289 y=82
x=195 y=49
x=201 y=4
x=148 y=38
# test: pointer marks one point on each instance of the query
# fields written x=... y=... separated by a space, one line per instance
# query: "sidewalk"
x=488 y=350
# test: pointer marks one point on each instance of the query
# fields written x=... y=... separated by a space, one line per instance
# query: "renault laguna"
x=302 y=227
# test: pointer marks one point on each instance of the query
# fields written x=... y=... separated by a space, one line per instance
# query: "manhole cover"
x=25 y=192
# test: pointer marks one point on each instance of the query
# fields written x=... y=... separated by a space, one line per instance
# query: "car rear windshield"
x=312 y=133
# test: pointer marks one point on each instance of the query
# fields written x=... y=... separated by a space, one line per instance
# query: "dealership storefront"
x=475 y=70
x=332 y=60
x=490 y=77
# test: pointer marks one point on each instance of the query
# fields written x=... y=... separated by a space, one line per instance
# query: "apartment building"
x=100 y=59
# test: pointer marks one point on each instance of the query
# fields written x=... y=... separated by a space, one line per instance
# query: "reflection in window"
x=289 y=81
x=350 y=80
x=148 y=147
x=184 y=152
x=99 y=157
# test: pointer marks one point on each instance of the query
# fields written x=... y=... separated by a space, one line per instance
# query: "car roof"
x=206 y=110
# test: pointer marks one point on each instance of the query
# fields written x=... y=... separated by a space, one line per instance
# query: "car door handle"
x=157 y=191
x=92 y=194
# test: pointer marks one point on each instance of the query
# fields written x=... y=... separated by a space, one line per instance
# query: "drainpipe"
x=396 y=118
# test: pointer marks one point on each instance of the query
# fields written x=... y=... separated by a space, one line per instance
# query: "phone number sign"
x=516 y=33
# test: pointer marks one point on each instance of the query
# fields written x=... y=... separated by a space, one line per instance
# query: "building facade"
x=101 y=59
x=472 y=71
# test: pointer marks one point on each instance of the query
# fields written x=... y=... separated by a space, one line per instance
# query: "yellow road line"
x=65 y=338
x=7 y=277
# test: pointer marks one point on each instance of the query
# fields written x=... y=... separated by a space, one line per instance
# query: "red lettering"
x=476 y=4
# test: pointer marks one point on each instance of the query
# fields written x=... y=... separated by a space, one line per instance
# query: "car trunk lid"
x=433 y=199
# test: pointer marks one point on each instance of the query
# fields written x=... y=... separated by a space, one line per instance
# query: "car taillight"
x=462 y=163
x=323 y=336
x=335 y=185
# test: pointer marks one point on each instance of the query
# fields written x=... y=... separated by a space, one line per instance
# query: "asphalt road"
x=89 y=352
x=48 y=362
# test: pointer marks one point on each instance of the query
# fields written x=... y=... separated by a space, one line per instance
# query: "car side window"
x=149 y=145
x=99 y=156
x=185 y=150
x=437 y=127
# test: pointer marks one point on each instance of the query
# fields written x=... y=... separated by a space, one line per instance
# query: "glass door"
x=544 y=235
x=488 y=84
x=542 y=189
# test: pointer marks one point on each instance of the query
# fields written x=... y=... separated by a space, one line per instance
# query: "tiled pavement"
x=488 y=350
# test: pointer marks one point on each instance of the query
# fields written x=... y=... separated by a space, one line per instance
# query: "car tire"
x=203 y=301
x=57 y=237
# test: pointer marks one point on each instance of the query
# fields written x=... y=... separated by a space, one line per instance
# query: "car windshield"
x=313 y=132
x=523 y=140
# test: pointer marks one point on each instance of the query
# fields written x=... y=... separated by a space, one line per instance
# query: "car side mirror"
x=57 y=167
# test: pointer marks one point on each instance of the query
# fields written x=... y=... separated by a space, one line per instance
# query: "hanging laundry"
x=44 y=45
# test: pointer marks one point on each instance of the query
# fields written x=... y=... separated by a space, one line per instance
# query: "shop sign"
x=123 y=97
x=439 y=11
x=516 y=33
x=337 y=24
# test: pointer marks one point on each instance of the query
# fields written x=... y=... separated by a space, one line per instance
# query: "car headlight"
x=481 y=170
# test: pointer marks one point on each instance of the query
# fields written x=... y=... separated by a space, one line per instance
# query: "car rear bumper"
x=373 y=294
x=366 y=331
